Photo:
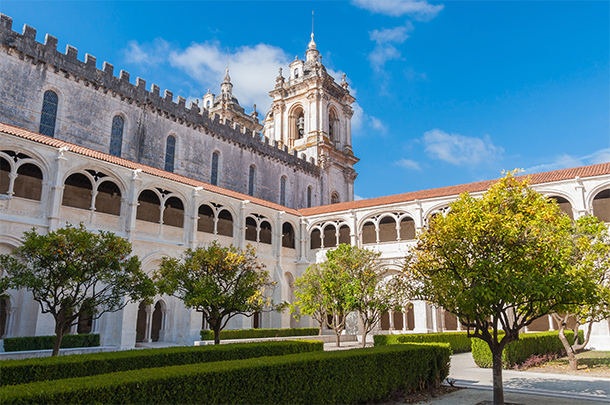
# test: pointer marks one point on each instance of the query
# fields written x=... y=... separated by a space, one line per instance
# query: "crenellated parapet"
x=104 y=80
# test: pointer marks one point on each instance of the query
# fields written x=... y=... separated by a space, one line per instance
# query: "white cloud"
x=565 y=161
x=396 y=34
x=418 y=9
x=357 y=197
x=409 y=164
x=460 y=150
x=378 y=125
x=253 y=69
x=385 y=50
x=147 y=54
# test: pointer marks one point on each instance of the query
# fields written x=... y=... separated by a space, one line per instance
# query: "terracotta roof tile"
x=536 y=178
x=33 y=136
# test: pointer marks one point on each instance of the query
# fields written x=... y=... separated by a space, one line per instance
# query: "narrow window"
x=283 y=191
x=251 y=180
x=334 y=198
x=214 y=177
x=170 y=149
x=116 y=137
x=309 y=197
x=49 y=113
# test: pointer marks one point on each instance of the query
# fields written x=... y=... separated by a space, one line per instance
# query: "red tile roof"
x=536 y=178
x=33 y=136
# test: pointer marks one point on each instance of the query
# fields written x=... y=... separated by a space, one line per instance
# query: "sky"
x=446 y=92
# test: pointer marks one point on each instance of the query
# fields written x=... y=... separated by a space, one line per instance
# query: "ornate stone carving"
x=349 y=174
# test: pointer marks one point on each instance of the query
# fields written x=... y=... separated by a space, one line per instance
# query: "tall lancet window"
x=48 y=116
x=214 y=176
x=283 y=190
x=116 y=137
x=309 y=197
x=170 y=151
x=251 y=180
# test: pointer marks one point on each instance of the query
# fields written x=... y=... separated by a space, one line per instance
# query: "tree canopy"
x=221 y=282
x=75 y=274
x=498 y=262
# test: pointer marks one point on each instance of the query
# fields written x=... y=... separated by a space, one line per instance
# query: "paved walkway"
x=523 y=387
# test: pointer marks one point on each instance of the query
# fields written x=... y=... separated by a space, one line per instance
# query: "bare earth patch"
x=590 y=363
x=419 y=397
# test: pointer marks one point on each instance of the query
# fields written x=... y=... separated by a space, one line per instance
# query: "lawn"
x=590 y=363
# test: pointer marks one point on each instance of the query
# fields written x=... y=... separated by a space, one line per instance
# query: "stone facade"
x=46 y=182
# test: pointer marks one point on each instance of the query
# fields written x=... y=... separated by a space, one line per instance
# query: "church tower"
x=311 y=113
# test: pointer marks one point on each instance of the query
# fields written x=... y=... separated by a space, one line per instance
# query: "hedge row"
x=54 y=368
x=458 y=340
x=19 y=344
x=259 y=333
x=517 y=352
x=351 y=376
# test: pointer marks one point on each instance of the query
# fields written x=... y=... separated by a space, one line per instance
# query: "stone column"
x=391 y=315
x=420 y=317
x=54 y=202
x=303 y=238
x=419 y=217
x=10 y=321
x=191 y=238
x=353 y=236
x=404 y=319
x=241 y=225
x=551 y=324
x=148 y=330
x=132 y=206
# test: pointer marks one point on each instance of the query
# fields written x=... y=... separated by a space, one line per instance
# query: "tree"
x=593 y=258
x=75 y=273
x=308 y=296
x=498 y=262
x=221 y=282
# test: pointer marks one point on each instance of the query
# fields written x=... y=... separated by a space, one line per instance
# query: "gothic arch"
x=297 y=123
x=150 y=262
x=600 y=204
x=60 y=101
x=593 y=193
x=436 y=208
x=334 y=125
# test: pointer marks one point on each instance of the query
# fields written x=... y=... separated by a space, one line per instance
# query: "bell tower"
x=311 y=113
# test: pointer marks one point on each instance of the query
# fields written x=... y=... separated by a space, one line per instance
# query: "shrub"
x=517 y=352
x=458 y=340
x=19 y=344
x=351 y=376
x=259 y=333
x=79 y=365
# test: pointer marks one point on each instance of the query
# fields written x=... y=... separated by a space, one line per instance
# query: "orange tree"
x=76 y=275
x=221 y=282
x=498 y=262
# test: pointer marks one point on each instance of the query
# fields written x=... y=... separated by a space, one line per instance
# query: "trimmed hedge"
x=459 y=342
x=19 y=344
x=54 y=368
x=259 y=333
x=517 y=352
x=350 y=376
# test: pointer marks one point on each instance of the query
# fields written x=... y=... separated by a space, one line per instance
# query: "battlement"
x=191 y=116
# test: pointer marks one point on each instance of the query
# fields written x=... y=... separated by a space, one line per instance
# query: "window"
x=309 y=197
x=170 y=150
x=251 y=180
x=214 y=176
x=49 y=113
x=116 y=137
x=334 y=198
x=283 y=191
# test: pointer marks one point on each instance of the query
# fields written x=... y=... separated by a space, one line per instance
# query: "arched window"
x=287 y=235
x=296 y=73
x=250 y=229
x=330 y=236
x=265 y=233
x=148 y=206
x=387 y=229
x=214 y=175
x=601 y=205
x=369 y=234
x=309 y=197
x=48 y=117
x=315 y=240
x=116 y=137
x=283 y=190
x=407 y=229
x=28 y=183
x=564 y=206
x=173 y=215
x=251 y=180
x=344 y=236
x=170 y=151
x=333 y=126
x=205 y=223
x=224 y=226
x=108 y=199
x=77 y=191
x=334 y=198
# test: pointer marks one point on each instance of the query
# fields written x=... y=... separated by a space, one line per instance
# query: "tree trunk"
x=364 y=339
x=568 y=348
x=338 y=341
x=59 y=335
x=217 y=333
x=496 y=353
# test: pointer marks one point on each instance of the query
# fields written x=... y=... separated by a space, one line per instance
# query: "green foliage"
x=351 y=376
x=19 y=344
x=54 y=368
x=458 y=341
x=75 y=273
x=517 y=352
x=259 y=333
x=221 y=282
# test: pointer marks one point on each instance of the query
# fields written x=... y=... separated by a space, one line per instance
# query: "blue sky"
x=447 y=92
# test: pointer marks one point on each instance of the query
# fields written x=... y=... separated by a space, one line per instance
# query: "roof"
x=46 y=140
x=536 y=178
